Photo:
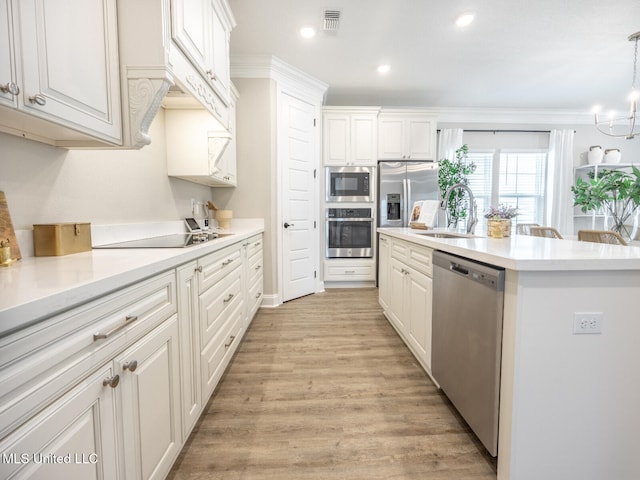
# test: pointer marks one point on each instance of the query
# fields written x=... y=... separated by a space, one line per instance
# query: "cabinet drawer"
x=216 y=266
x=40 y=362
x=400 y=250
x=344 y=272
x=420 y=258
x=216 y=303
x=218 y=352
x=254 y=247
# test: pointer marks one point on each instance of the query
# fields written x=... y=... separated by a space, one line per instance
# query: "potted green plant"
x=452 y=172
x=616 y=193
x=499 y=220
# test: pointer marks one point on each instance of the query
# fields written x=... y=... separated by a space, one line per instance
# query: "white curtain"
x=449 y=141
x=559 y=212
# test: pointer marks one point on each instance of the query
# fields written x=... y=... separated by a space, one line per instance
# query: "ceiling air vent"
x=331 y=20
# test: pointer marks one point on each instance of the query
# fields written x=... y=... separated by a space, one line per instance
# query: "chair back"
x=548 y=232
x=525 y=228
x=601 y=236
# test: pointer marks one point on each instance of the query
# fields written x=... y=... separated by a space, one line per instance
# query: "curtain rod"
x=494 y=131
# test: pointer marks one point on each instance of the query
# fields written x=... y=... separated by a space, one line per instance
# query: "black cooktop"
x=176 y=240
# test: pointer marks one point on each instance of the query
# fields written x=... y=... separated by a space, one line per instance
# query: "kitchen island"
x=568 y=403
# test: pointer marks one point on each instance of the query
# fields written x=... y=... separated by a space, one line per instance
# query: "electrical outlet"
x=587 y=322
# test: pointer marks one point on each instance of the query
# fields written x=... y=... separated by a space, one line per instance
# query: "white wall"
x=45 y=184
x=255 y=195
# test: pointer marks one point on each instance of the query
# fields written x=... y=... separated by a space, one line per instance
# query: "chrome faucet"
x=473 y=207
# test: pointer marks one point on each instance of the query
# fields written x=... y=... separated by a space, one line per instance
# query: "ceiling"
x=523 y=54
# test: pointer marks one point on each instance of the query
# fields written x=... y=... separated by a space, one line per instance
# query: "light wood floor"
x=323 y=388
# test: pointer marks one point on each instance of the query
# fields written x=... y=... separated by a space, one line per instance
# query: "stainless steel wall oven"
x=349 y=232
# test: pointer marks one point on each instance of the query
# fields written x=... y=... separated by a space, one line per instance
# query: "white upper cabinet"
x=201 y=31
x=62 y=56
x=350 y=136
x=8 y=87
x=406 y=136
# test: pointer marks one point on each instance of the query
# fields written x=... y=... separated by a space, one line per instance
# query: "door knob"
x=287 y=225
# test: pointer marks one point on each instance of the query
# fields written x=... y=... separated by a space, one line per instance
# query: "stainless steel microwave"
x=349 y=184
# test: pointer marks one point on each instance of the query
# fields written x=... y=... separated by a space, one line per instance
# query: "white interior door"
x=299 y=194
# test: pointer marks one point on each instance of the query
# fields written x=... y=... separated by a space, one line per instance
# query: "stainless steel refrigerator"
x=400 y=185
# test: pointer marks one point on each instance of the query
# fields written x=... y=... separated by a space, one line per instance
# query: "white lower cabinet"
x=253 y=274
x=349 y=270
x=78 y=430
x=112 y=389
x=150 y=393
x=189 y=325
x=406 y=293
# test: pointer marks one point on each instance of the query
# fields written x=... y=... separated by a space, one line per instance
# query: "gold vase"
x=499 y=228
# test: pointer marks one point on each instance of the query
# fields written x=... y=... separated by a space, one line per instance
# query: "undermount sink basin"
x=447 y=234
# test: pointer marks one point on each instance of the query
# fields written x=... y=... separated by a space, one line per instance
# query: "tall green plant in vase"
x=616 y=194
x=450 y=173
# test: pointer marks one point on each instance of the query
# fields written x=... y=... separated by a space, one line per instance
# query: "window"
x=513 y=177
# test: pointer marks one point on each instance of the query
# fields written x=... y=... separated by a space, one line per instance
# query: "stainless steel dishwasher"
x=468 y=300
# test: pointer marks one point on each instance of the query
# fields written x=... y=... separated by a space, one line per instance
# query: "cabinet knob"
x=199 y=269
x=112 y=382
x=11 y=87
x=131 y=366
x=38 y=99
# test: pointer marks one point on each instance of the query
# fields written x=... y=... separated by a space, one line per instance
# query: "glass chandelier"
x=623 y=126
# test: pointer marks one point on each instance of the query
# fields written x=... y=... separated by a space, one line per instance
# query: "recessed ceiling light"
x=383 y=68
x=307 y=32
x=464 y=19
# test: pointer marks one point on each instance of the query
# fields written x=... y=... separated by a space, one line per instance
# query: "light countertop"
x=528 y=253
x=37 y=287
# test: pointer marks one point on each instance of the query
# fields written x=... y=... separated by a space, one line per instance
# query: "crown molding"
x=513 y=116
x=271 y=67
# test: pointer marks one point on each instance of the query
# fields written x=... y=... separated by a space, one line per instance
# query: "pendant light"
x=611 y=126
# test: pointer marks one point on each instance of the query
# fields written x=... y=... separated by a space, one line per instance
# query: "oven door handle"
x=349 y=219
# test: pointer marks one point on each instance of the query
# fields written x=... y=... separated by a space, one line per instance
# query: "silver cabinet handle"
x=131 y=366
x=231 y=339
x=258 y=295
x=199 y=269
x=227 y=262
x=245 y=244
x=349 y=271
x=228 y=299
x=112 y=382
x=128 y=320
x=257 y=244
x=258 y=267
x=11 y=87
x=38 y=99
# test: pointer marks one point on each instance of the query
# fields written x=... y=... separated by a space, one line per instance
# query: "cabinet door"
x=384 y=281
x=220 y=77
x=70 y=67
x=150 y=390
x=79 y=428
x=189 y=326
x=418 y=314
x=190 y=24
x=364 y=138
x=391 y=138
x=397 y=279
x=421 y=138
x=336 y=144
x=7 y=65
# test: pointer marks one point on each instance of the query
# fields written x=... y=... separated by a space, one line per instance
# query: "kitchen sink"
x=447 y=234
